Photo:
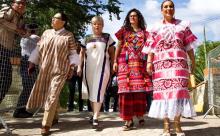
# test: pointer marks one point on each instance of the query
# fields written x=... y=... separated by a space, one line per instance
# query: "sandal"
x=95 y=123
x=166 y=128
x=45 y=131
x=178 y=129
x=127 y=126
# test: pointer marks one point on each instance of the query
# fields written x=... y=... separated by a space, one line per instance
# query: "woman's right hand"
x=149 y=68
x=115 y=67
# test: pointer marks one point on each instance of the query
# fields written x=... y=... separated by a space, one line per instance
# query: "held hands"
x=31 y=68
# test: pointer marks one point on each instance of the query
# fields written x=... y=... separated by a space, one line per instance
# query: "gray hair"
x=98 y=18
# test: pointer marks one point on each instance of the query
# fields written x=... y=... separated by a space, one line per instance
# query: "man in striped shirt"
x=10 y=25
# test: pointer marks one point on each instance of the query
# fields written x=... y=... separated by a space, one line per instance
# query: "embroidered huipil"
x=171 y=71
x=132 y=76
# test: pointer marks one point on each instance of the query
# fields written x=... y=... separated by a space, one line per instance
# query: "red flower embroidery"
x=167 y=83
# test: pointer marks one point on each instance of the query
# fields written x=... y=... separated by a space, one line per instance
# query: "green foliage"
x=200 y=59
x=79 y=12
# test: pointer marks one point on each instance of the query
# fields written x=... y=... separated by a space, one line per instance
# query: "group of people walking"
x=144 y=61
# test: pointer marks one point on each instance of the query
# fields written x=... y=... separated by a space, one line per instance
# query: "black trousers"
x=5 y=72
x=72 y=89
x=112 y=91
x=27 y=82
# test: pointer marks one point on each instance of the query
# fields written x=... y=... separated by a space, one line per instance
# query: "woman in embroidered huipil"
x=97 y=53
x=130 y=64
x=173 y=40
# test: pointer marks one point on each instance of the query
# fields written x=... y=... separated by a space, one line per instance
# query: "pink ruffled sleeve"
x=189 y=38
x=149 y=44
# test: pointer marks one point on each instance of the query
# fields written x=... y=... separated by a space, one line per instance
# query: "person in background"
x=28 y=43
x=167 y=59
x=11 y=22
x=112 y=91
x=97 y=53
x=75 y=80
x=130 y=65
x=56 y=55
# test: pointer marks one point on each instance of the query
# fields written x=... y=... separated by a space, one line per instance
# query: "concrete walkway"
x=76 y=124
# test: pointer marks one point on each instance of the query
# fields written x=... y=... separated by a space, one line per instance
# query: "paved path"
x=76 y=124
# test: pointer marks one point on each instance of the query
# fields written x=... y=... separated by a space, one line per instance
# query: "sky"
x=201 y=13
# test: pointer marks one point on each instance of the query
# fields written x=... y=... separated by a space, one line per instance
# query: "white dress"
x=96 y=71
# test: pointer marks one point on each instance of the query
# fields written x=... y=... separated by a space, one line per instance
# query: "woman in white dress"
x=96 y=52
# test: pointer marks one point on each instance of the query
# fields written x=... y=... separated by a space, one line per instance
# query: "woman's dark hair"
x=64 y=18
x=161 y=6
x=141 y=21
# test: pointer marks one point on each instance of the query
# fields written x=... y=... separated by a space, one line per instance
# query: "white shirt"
x=28 y=44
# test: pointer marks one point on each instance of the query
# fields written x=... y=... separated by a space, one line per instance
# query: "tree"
x=200 y=59
x=79 y=12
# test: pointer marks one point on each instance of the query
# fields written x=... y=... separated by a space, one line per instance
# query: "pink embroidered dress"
x=132 y=76
x=171 y=71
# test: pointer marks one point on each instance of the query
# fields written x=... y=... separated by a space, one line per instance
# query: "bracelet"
x=150 y=62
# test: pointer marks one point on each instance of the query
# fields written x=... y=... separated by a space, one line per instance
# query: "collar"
x=59 y=31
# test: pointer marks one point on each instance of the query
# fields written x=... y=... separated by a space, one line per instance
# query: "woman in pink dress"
x=173 y=40
x=130 y=65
